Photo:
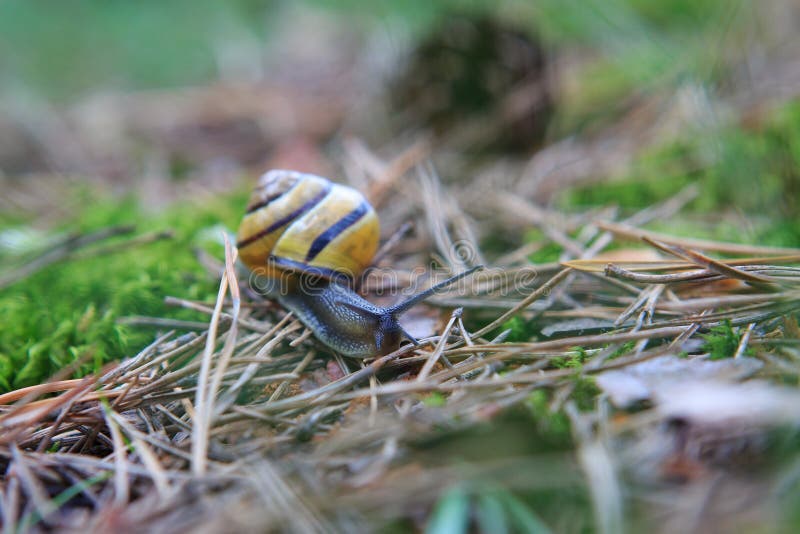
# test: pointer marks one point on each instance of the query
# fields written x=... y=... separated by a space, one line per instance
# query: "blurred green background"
x=64 y=50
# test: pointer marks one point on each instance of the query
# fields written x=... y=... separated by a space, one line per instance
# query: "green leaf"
x=523 y=517
x=451 y=515
x=491 y=514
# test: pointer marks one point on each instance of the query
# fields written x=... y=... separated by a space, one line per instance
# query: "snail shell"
x=304 y=223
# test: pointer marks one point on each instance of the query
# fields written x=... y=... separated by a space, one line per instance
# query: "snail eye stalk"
x=419 y=297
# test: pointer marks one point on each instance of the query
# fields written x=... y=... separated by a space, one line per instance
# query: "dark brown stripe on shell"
x=287 y=219
x=258 y=205
x=333 y=231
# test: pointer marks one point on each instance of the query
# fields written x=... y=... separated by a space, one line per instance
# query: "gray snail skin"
x=312 y=238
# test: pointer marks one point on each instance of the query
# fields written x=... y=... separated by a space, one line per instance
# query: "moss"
x=623 y=349
x=575 y=360
x=547 y=422
x=722 y=341
x=69 y=311
x=548 y=253
x=434 y=400
x=521 y=330
x=585 y=392
x=749 y=169
x=627 y=193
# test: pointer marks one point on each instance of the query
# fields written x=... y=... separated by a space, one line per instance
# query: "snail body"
x=345 y=321
x=311 y=239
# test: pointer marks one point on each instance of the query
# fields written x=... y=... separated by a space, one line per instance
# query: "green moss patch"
x=69 y=310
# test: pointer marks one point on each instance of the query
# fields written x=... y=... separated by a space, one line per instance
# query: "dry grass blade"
x=31 y=392
x=596 y=461
x=202 y=405
x=230 y=340
x=541 y=291
x=437 y=352
x=33 y=487
x=613 y=270
x=712 y=264
x=599 y=266
x=444 y=219
x=28 y=412
x=60 y=251
x=144 y=239
x=10 y=497
x=387 y=177
x=121 y=487
x=637 y=234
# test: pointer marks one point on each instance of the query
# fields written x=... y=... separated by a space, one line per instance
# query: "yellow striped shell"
x=304 y=223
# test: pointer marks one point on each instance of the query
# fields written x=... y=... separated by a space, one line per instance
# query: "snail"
x=310 y=239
